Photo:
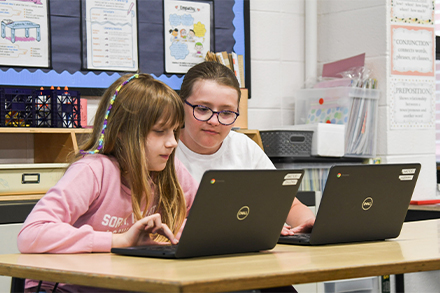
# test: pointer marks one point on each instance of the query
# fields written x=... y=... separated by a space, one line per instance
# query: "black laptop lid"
x=364 y=202
x=234 y=211
x=238 y=211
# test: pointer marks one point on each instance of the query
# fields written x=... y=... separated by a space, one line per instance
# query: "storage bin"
x=359 y=285
x=66 y=109
x=29 y=178
x=356 y=108
x=40 y=108
x=17 y=107
x=58 y=108
x=287 y=143
x=328 y=139
x=43 y=108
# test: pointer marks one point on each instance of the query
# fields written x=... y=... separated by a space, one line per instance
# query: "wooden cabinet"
x=36 y=146
x=39 y=145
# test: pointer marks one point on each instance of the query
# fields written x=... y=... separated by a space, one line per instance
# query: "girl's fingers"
x=167 y=233
x=155 y=225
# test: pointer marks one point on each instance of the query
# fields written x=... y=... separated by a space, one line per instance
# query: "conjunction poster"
x=111 y=35
x=412 y=50
x=412 y=83
x=24 y=33
x=187 y=27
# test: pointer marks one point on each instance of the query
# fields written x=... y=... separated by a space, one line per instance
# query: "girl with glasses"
x=211 y=94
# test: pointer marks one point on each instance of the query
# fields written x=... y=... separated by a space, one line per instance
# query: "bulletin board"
x=231 y=33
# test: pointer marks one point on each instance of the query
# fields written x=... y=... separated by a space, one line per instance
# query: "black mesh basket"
x=287 y=143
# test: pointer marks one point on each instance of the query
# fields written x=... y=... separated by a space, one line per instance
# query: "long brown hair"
x=139 y=105
x=209 y=70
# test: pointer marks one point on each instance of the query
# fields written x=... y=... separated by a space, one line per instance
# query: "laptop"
x=234 y=211
x=361 y=203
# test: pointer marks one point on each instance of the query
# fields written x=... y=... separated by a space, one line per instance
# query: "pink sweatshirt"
x=88 y=204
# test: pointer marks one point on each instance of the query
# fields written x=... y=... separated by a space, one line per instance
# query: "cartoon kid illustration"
x=174 y=33
x=199 y=47
x=191 y=35
x=183 y=33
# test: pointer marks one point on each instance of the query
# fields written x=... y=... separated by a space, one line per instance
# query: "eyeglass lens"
x=204 y=114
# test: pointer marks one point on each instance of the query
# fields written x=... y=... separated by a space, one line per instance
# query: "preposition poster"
x=24 y=33
x=111 y=35
x=412 y=50
x=413 y=11
x=187 y=28
x=412 y=103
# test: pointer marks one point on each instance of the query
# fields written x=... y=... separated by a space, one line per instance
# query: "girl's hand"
x=179 y=234
x=139 y=233
x=303 y=228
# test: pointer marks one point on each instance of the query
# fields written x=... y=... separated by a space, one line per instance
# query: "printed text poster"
x=412 y=50
x=112 y=35
x=24 y=33
x=412 y=103
x=413 y=11
x=187 y=34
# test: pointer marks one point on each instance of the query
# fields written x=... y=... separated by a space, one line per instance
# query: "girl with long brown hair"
x=125 y=187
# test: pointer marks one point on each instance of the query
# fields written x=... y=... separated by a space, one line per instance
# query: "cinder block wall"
x=345 y=28
x=277 y=44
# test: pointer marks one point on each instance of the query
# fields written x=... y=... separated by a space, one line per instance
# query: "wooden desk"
x=422 y=212
x=429 y=207
x=417 y=249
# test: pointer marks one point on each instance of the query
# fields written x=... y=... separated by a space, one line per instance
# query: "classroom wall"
x=277 y=56
x=345 y=28
x=350 y=27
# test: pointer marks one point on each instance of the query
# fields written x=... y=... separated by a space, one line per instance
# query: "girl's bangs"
x=170 y=111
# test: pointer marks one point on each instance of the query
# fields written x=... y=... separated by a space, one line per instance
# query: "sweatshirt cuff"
x=102 y=241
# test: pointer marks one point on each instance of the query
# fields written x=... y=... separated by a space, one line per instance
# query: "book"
x=236 y=67
x=226 y=59
x=220 y=58
x=241 y=70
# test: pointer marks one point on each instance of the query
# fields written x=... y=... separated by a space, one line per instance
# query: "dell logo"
x=243 y=213
x=367 y=203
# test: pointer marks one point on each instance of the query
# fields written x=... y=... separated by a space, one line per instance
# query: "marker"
x=131 y=7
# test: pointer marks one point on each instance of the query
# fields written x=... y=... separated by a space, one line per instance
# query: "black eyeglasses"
x=203 y=113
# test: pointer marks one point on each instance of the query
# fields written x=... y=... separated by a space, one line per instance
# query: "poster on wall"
x=24 y=33
x=413 y=12
x=187 y=29
x=412 y=50
x=412 y=103
x=110 y=35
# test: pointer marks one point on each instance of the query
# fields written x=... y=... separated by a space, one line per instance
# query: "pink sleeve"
x=187 y=182
x=49 y=227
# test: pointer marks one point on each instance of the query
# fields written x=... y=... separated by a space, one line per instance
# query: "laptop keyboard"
x=298 y=237
x=165 y=248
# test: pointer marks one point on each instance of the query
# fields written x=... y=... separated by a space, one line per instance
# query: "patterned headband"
x=104 y=126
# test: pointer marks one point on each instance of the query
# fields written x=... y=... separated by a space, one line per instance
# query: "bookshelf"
x=48 y=145
x=24 y=147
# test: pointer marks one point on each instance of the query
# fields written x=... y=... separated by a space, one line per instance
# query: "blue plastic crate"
x=66 y=106
x=40 y=108
x=17 y=107
x=43 y=108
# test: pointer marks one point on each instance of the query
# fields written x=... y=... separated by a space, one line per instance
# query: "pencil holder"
x=356 y=108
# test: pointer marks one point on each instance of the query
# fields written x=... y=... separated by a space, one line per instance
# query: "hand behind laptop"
x=306 y=227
